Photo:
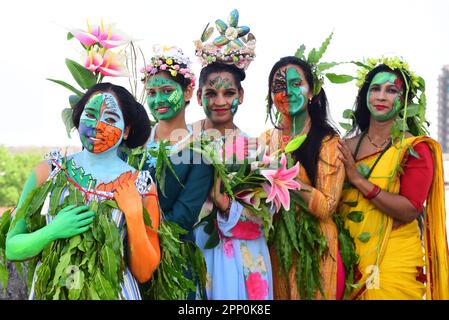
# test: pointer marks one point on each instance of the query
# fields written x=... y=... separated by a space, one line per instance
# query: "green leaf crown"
x=318 y=68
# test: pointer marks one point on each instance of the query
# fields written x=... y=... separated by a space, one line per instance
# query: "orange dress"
x=324 y=200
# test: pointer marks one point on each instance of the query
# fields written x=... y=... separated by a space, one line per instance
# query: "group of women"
x=389 y=191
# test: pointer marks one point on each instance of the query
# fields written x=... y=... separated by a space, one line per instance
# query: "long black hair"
x=321 y=125
x=134 y=113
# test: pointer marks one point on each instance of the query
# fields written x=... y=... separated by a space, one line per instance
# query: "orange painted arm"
x=144 y=254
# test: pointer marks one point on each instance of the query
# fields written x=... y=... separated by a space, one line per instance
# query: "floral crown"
x=230 y=47
x=394 y=63
x=318 y=68
x=172 y=60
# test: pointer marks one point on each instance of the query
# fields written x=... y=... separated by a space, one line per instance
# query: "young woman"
x=239 y=266
x=321 y=173
x=401 y=173
x=106 y=116
x=169 y=84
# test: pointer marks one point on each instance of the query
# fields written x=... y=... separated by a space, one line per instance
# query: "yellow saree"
x=391 y=259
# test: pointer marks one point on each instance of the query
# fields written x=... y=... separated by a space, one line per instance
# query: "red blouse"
x=417 y=177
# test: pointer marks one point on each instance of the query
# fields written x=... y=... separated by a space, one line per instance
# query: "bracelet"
x=373 y=193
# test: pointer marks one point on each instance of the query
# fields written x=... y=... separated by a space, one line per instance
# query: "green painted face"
x=392 y=96
x=165 y=98
x=206 y=106
x=295 y=92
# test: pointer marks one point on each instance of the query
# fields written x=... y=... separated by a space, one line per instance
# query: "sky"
x=34 y=48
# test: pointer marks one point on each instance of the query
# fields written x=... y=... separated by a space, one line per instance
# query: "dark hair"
x=362 y=115
x=238 y=74
x=134 y=113
x=321 y=125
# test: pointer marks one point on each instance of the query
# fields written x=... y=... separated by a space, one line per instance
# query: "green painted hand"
x=70 y=221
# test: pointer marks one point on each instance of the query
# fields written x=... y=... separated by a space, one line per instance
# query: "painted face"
x=290 y=90
x=101 y=124
x=384 y=96
x=165 y=97
x=220 y=97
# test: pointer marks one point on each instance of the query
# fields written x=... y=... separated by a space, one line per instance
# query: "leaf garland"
x=86 y=266
x=297 y=237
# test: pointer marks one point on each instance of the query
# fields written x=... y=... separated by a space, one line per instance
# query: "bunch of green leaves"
x=318 y=68
x=297 y=237
x=86 y=266
x=5 y=222
x=348 y=253
x=181 y=268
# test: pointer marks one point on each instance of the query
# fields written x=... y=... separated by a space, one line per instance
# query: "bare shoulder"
x=42 y=171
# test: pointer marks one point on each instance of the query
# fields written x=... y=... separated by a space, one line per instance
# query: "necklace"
x=377 y=146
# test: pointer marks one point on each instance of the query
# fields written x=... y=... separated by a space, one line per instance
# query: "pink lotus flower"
x=246 y=230
x=93 y=60
x=239 y=148
x=108 y=37
x=256 y=286
x=113 y=65
x=281 y=181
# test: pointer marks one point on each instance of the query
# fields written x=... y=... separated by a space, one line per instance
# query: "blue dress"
x=239 y=267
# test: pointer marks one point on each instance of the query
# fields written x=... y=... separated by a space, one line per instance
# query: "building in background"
x=443 y=109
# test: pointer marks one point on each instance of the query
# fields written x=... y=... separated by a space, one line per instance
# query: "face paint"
x=220 y=82
x=289 y=98
x=295 y=92
x=165 y=98
x=234 y=105
x=392 y=96
x=205 y=103
x=101 y=123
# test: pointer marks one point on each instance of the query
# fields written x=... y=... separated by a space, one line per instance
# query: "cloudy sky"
x=34 y=47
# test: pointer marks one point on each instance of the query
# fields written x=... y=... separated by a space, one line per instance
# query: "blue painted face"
x=102 y=123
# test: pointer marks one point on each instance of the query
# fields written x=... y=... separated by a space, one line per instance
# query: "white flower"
x=231 y=33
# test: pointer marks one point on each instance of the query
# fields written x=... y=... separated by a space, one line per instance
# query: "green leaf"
x=66 y=115
x=351 y=204
x=364 y=170
x=413 y=153
x=213 y=240
x=77 y=285
x=67 y=86
x=73 y=100
x=295 y=143
x=312 y=57
x=146 y=217
x=82 y=76
x=109 y=264
x=300 y=52
x=356 y=216
x=413 y=110
x=348 y=114
x=323 y=48
x=104 y=288
x=327 y=65
x=339 y=78
x=110 y=203
x=70 y=36
x=364 y=237
x=345 y=126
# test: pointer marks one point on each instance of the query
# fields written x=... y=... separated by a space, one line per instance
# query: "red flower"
x=398 y=83
x=257 y=287
x=246 y=230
